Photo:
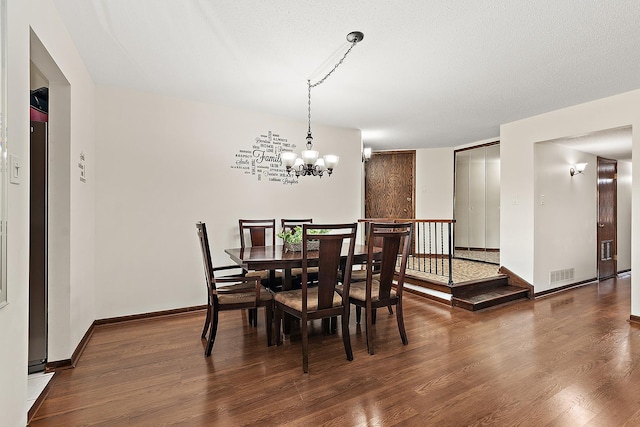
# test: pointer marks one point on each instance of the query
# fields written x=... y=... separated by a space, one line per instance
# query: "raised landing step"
x=471 y=295
x=484 y=298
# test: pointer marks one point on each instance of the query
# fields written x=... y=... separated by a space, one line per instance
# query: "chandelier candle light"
x=310 y=162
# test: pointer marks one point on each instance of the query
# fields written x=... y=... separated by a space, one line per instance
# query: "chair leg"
x=403 y=333
x=369 y=318
x=358 y=314
x=326 y=326
x=390 y=309
x=253 y=317
x=305 y=347
x=346 y=337
x=278 y=322
x=334 y=325
x=250 y=315
x=268 y=319
x=207 y=321
x=212 y=333
x=373 y=316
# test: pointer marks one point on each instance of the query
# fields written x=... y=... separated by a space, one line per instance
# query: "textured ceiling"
x=427 y=74
x=610 y=143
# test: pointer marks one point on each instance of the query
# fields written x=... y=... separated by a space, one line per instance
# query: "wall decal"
x=262 y=159
x=83 y=177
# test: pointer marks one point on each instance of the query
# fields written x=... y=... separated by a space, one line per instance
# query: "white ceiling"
x=610 y=143
x=429 y=73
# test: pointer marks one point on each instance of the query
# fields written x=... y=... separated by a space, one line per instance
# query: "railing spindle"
x=450 y=256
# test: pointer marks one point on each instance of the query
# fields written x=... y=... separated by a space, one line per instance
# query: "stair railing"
x=432 y=248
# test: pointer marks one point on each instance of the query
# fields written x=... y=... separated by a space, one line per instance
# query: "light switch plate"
x=15 y=169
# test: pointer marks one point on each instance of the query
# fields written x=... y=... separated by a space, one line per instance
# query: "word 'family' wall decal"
x=263 y=161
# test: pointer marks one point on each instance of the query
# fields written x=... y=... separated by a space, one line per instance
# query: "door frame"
x=614 y=248
x=456 y=199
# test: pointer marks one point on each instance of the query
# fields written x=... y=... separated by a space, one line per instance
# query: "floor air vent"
x=561 y=275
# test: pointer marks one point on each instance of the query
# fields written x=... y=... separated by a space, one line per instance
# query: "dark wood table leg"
x=287 y=319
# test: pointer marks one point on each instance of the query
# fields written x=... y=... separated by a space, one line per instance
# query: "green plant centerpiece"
x=293 y=239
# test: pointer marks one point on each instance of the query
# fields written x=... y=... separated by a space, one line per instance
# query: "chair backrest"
x=394 y=239
x=290 y=224
x=377 y=241
x=330 y=244
x=206 y=255
x=210 y=274
x=257 y=232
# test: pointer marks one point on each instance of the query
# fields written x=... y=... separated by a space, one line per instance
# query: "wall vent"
x=561 y=275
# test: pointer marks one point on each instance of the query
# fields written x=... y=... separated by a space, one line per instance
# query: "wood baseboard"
x=634 y=319
x=58 y=365
x=565 y=287
x=143 y=316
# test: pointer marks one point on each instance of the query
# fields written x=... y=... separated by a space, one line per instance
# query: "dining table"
x=279 y=258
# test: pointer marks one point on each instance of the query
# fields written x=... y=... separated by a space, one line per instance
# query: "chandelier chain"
x=319 y=82
x=309 y=164
x=309 y=111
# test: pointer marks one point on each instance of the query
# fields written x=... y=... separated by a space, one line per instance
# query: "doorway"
x=38 y=256
x=45 y=72
x=607 y=228
x=476 y=203
x=390 y=185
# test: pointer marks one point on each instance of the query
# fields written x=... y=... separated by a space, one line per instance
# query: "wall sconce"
x=577 y=168
x=366 y=154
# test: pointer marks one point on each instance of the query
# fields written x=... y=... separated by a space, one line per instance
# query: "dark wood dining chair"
x=257 y=232
x=290 y=225
x=260 y=232
x=359 y=273
x=230 y=292
x=321 y=301
x=377 y=290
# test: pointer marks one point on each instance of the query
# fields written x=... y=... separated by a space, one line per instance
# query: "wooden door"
x=607 y=215
x=390 y=185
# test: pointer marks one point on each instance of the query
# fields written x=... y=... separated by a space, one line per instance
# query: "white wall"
x=434 y=191
x=492 y=205
x=434 y=183
x=36 y=78
x=71 y=202
x=624 y=215
x=13 y=317
x=71 y=309
x=565 y=215
x=165 y=163
x=517 y=229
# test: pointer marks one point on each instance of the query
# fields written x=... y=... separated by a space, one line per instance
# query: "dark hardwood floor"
x=568 y=359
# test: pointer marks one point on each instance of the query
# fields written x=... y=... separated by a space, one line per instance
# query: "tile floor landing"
x=35 y=385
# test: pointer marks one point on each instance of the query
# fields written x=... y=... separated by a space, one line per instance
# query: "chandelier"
x=310 y=163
